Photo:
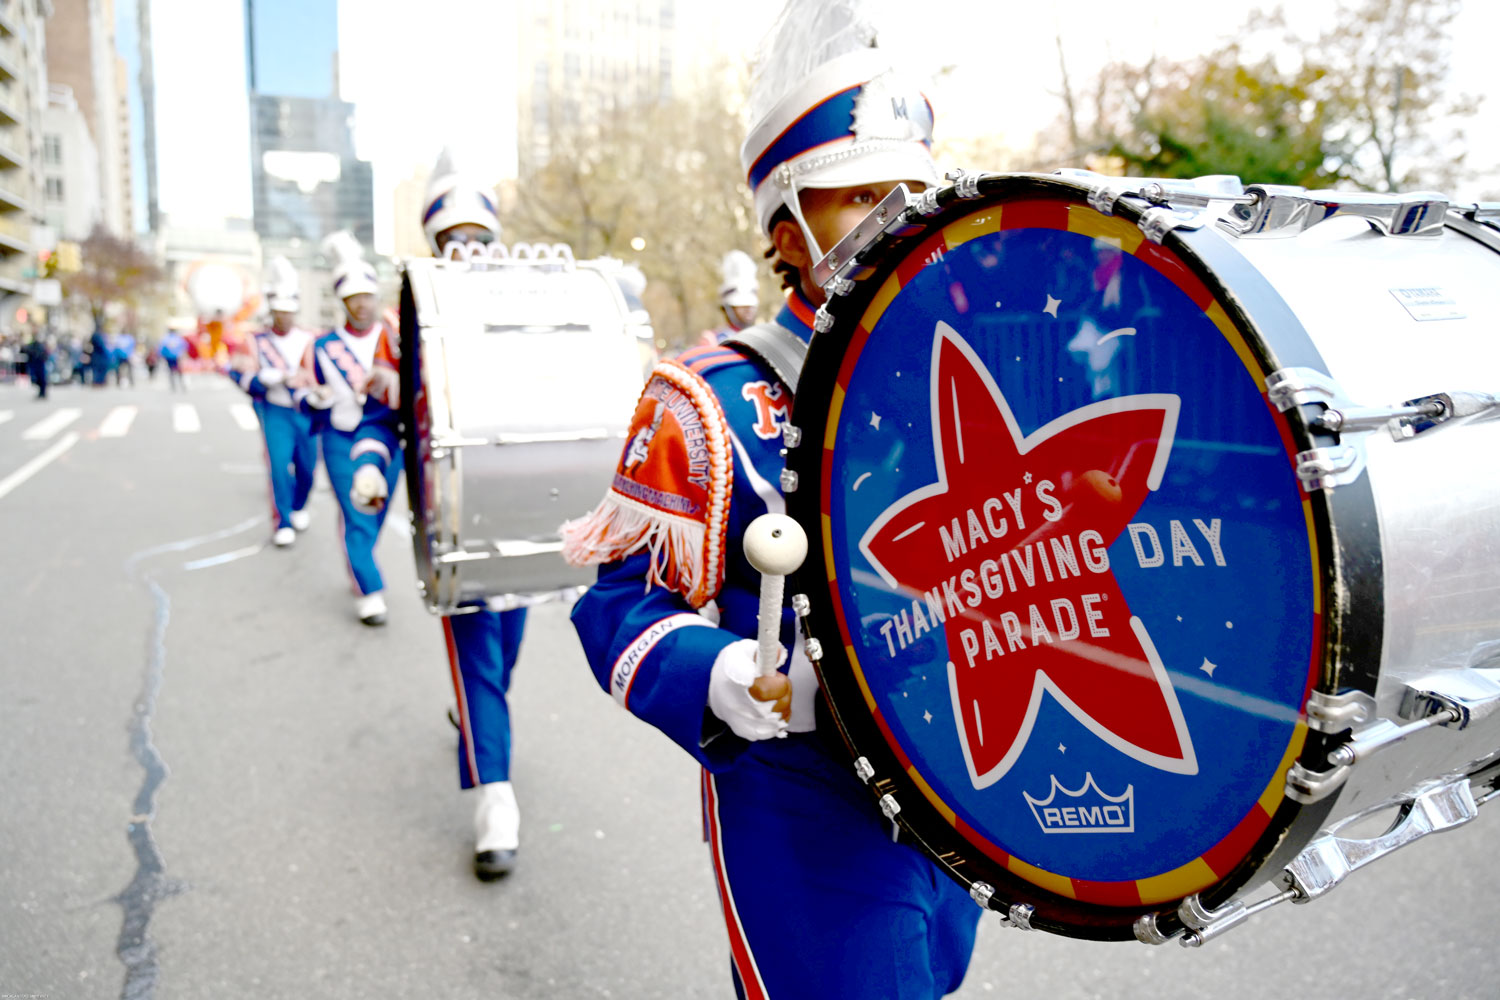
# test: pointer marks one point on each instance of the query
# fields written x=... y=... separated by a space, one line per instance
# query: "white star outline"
x=1170 y=405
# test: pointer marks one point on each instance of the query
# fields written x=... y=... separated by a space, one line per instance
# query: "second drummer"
x=482 y=645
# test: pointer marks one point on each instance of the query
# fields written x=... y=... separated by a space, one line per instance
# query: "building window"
x=54 y=189
x=52 y=149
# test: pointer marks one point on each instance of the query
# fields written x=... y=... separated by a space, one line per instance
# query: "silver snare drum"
x=517 y=371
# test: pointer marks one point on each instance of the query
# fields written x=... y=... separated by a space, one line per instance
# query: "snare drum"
x=1152 y=544
x=518 y=371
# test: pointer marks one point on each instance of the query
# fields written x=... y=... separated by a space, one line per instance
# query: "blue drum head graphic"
x=1072 y=566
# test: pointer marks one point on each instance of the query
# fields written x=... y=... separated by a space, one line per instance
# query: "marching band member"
x=819 y=896
x=348 y=381
x=739 y=297
x=272 y=359
x=482 y=645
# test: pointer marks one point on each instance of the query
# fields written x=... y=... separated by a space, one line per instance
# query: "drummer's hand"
x=271 y=376
x=730 y=697
x=319 y=397
x=368 y=490
x=383 y=383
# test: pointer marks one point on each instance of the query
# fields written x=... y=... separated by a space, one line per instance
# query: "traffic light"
x=69 y=259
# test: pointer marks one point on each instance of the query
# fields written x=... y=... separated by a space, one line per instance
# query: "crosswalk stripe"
x=117 y=424
x=185 y=418
x=36 y=465
x=244 y=415
x=43 y=429
x=6 y=415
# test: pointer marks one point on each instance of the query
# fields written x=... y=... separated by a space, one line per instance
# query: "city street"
x=217 y=783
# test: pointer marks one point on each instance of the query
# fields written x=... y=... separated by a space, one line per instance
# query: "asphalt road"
x=216 y=783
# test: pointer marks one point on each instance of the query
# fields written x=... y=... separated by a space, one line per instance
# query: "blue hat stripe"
x=831 y=120
x=435 y=207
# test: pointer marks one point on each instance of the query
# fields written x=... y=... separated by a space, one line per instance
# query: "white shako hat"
x=454 y=198
x=741 y=286
x=831 y=110
x=352 y=274
x=281 y=285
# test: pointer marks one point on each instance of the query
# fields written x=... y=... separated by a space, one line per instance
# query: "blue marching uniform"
x=355 y=432
x=291 y=449
x=819 y=897
x=482 y=651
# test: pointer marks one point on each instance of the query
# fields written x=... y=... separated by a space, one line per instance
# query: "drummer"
x=347 y=381
x=820 y=898
x=482 y=645
x=739 y=297
x=291 y=449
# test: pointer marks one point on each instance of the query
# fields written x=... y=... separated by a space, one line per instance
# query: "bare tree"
x=114 y=270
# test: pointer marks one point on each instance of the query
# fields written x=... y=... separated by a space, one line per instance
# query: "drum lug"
x=1306 y=786
x=788 y=481
x=863 y=769
x=889 y=806
x=1156 y=223
x=1329 y=859
x=981 y=893
x=1147 y=931
x=822 y=319
x=965 y=183
x=1019 y=916
x=927 y=202
x=1103 y=199
x=791 y=435
x=1325 y=468
x=814 y=649
x=801 y=606
x=1295 y=386
x=1333 y=713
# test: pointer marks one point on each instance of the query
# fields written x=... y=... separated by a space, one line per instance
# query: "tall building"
x=306 y=179
x=71 y=192
x=23 y=100
x=577 y=58
x=81 y=56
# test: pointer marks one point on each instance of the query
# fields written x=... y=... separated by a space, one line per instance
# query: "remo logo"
x=1007 y=554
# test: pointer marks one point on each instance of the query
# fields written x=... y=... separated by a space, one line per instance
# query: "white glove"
x=368 y=490
x=729 y=695
x=271 y=376
x=320 y=397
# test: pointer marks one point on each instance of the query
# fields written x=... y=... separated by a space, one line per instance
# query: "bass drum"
x=1124 y=609
x=517 y=374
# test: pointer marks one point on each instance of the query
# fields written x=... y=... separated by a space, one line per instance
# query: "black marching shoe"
x=491 y=865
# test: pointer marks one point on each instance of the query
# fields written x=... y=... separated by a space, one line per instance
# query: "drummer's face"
x=362 y=309
x=831 y=213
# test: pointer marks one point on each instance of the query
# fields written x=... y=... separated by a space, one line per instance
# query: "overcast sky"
x=422 y=74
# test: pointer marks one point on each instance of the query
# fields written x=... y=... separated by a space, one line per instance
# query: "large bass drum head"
x=1066 y=582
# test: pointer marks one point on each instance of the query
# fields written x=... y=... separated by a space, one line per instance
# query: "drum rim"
x=1208 y=256
x=416 y=452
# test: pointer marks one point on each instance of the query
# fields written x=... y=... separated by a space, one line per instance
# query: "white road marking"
x=223 y=558
x=185 y=418
x=6 y=415
x=244 y=415
x=45 y=428
x=117 y=424
x=38 y=463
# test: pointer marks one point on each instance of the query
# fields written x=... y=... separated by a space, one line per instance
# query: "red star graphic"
x=1008 y=507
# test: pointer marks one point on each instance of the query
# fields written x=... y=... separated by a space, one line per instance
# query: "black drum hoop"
x=1351 y=573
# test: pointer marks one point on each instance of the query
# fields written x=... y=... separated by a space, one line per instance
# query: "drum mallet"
x=775 y=546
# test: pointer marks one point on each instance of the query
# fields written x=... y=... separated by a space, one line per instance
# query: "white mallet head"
x=775 y=544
